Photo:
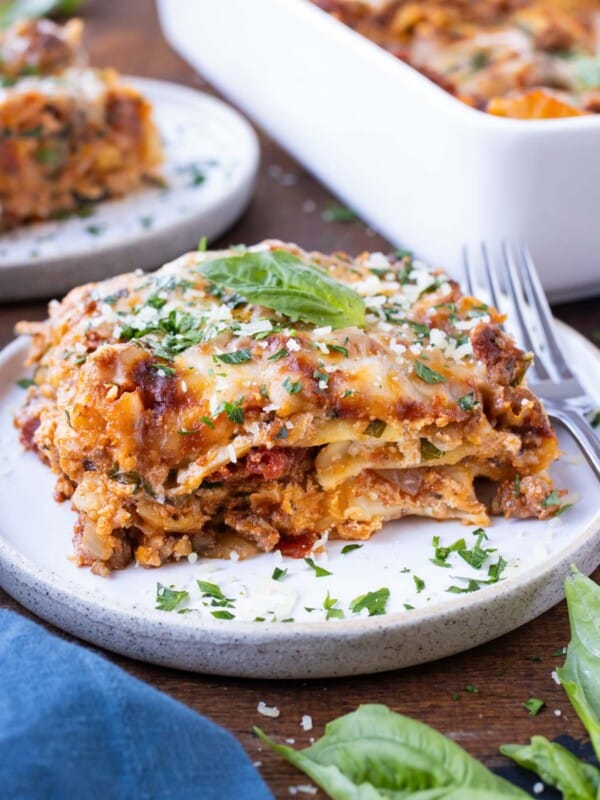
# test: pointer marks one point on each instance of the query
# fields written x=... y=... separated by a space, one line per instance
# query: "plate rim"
x=247 y=176
x=193 y=631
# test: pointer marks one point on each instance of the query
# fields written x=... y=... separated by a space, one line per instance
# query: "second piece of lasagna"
x=264 y=397
x=69 y=134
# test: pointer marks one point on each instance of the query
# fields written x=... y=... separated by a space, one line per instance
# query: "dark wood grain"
x=288 y=205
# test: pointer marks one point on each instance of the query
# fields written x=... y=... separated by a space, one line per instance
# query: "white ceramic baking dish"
x=426 y=171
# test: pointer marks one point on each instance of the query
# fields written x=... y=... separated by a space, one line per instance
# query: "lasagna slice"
x=70 y=135
x=513 y=58
x=267 y=397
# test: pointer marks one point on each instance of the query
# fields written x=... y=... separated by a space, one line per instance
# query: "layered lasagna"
x=513 y=58
x=69 y=134
x=267 y=397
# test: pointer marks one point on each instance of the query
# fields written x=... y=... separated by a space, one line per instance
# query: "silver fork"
x=550 y=376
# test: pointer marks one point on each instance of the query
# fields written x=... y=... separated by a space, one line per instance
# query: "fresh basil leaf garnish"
x=374 y=753
x=557 y=767
x=280 y=280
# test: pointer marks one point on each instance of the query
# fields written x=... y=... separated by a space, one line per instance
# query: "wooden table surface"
x=127 y=36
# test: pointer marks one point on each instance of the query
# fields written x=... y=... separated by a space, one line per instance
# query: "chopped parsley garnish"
x=94 y=230
x=338 y=214
x=282 y=353
x=278 y=573
x=202 y=244
x=595 y=421
x=130 y=478
x=168 y=598
x=236 y=357
x=25 y=383
x=442 y=553
x=329 y=604
x=427 y=374
x=429 y=450
x=408 y=606
x=348 y=393
x=234 y=411
x=223 y=614
x=478 y=554
x=495 y=570
x=215 y=594
x=534 y=705
x=419 y=583
x=517 y=485
x=468 y=402
x=337 y=348
x=375 y=428
x=374 y=602
x=472 y=586
x=164 y=370
x=551 y=500
x=322 y=378
x=471 y=689
x=320 y=572
x=156 y=301
x=204 y=420
x=293 y=387
x=348 y=548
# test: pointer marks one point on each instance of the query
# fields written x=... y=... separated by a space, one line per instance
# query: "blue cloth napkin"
x=73 y=726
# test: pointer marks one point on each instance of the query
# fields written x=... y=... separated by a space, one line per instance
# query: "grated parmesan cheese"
x=267 y=711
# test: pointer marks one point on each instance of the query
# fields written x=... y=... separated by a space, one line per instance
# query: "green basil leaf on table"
x=374 y=753
x=580 y=675
x=557 y=767
x=280 y=280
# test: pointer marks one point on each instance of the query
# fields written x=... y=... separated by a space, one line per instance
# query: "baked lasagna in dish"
x=267 y=397
x=69 y=135
x=513 y=58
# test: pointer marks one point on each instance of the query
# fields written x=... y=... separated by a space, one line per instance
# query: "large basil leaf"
x=557 y=767
x=279 y=280
x=12 y=10
x=374 y=753
x=580 y=675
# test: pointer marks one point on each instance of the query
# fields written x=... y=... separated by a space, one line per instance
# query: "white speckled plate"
x=119 y=612
x=211 y=158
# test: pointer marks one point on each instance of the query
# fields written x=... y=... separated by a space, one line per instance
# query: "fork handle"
x=582 y=431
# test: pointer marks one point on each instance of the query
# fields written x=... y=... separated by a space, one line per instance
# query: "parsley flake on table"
x=534 y=705
x=419 y=583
